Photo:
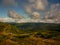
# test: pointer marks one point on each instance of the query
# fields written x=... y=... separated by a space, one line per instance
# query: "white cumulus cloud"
x=35 y=6
x=35 y=15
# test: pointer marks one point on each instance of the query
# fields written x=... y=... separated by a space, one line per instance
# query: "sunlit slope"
x=28 y=34
x=8 y=28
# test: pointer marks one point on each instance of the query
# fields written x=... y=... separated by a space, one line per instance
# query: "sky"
x=29 y=8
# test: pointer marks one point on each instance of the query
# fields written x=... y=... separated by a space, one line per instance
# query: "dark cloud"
x=13 y=14
x=9 y=2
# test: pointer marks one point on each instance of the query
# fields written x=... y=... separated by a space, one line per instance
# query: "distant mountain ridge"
x=31 y=26
x=37 y=26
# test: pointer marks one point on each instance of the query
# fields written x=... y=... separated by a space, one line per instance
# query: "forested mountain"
x=37 y=26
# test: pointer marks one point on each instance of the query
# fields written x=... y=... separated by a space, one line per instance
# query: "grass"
x=11 y=35
x=29 y=39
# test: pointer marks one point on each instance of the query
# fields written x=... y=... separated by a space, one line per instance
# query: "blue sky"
x=20 y=7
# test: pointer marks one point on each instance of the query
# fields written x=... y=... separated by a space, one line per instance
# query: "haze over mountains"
x=27 y=20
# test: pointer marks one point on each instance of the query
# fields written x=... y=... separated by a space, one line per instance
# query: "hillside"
x=8 y=28
x=37 y=26
x=29 y=34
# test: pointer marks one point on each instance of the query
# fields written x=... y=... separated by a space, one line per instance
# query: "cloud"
x=28 y=9
x=35 y=15
x=9 y=2
x=26 y=21
x=35 y=6
x=55 y=8
x=7 y=20
x=38 y=4
x=13 y=14
x=54 y=12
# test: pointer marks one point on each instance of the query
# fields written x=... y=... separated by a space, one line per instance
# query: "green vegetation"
x=28 y=27
x=29 y=34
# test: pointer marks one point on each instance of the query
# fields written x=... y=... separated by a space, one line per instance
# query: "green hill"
x=8 y=28
x=29 y=34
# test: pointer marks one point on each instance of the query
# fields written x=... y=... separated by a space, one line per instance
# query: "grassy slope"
x=11 y=35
